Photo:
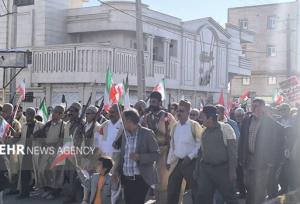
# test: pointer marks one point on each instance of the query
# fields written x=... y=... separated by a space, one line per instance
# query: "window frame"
x=272 y=80
x=272 y=22
x=246 y=81
x=271 y=51
x=242 y=23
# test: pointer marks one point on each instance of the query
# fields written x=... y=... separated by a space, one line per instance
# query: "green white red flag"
x=43 y=111
x=63 y=153
x=161 y=88
x=108 y=84
x=244 y=97
x=4 y=128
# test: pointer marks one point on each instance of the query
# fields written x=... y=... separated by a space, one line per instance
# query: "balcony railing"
x=245 y=63
x=87 y=59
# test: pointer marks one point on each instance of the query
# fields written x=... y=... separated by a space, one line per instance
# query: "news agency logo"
x=19 y=149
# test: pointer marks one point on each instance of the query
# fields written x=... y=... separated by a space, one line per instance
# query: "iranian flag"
x=116 y=93
x=161 y=88
x=108 y=84
x=277 y=98
x=126 y=99
x=4 y=128
x=43 y=112
x=21 y=89
x=63 y=153
x=221 y=99
x=244 y=97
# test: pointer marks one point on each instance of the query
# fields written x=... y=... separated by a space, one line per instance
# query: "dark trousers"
x=26 y=181
x=240 y=181
x=135 y=190
x=256 y=182
x=212 y=178
x=175 y=180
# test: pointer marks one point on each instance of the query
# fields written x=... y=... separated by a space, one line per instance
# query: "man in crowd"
x=194 y=114
x=260 y=152
x=174 y=107
x=90 y=138
x=184 y=147
x=50 y=180
x=216 y=169
x=141 y=106
x=74 y=125
x=161 y=123
x=239 y=115
x=20 y=116
x=223 y=118
x=139 y=152
x=26 y=161
x=12 y=136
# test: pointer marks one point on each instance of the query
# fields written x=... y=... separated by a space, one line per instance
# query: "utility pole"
x=140 y=52
x=13 y=45
x=288 y=47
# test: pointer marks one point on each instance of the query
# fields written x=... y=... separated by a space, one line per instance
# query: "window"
x=272 y=22
x=246 y=80
x=243 y=23
x=272 y=80
x=271 y=51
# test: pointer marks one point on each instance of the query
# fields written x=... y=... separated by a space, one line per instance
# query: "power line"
x=181 y=35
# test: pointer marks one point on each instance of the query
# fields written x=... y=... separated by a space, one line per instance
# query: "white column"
x=167 y=54
x=150 y=39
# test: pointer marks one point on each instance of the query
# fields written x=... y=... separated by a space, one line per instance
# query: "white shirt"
x=184 y=142
x=105 y=143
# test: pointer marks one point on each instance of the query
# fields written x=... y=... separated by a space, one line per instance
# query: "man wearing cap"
x=50 y=181
x=216 y=169
x=141 y=106
x=74 y=123
x=27 y=161
x=12 y=136
x=184 y=147
x=75 y=128
x=161 y=123
x=90 y=136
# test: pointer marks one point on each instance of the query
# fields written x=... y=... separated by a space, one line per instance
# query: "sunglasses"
x=180 y=111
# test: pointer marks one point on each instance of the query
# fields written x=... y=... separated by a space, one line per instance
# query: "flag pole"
x=121 y=120
x=75 y=156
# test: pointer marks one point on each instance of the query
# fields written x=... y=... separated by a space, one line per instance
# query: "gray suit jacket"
x=90 y=185
x=148 y=150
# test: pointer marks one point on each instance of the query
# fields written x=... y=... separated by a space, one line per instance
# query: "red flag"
x=221 y=99
x=21 y=89
x=65 y=153
x=116 y=93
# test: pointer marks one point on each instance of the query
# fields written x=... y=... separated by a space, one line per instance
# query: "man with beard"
x=161 y=123
x=50 y=181
x=74 y=128
x=12 y=136
x=26 y=161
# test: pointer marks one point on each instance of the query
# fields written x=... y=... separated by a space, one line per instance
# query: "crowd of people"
x=211 y=155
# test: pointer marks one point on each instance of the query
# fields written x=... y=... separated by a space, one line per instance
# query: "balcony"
x=87 y=63
x=245 y=63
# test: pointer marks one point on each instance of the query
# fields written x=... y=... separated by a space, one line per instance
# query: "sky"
x=194 y=9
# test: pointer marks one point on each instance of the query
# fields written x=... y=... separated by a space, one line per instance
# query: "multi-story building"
x=73 y=47
x=274 y=53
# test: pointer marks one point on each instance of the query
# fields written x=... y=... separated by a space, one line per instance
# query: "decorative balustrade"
x=93 y=58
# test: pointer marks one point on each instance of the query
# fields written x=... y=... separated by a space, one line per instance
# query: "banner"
x=290 y=89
